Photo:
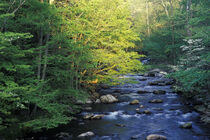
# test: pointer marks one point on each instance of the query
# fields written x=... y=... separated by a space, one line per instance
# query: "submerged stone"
x=156 y=137
x=134 y=102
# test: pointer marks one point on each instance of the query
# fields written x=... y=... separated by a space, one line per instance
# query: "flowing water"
x=165 y=118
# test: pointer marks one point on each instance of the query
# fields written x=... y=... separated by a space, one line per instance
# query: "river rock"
x=156 y=137
x=159 y=91
x=147 y=112
x=108 y=99
x=138 y=109
x=87 y=134
x=88 y=116
x=104 y=86
x=98 y=101
x=187 y=125
x=170 y=82
x=87 y=108
x=153 y=83
x=144 y=112
x=80 y=102
x=142 y=91
x=97 y=117
x=136 y=136
x=63 y=136
x=134 y=102
x=200 y=108
x=95 y=95
x=205 y=118
x=141 y=106
x=156 y=101
x=143 y=79
x=161 y=84
x=120 y=125
x=88 y=101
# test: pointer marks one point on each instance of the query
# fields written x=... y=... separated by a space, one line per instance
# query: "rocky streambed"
x=148 y=109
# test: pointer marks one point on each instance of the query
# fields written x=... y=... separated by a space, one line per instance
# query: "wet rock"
x=134 y=102
x=63 y=135
x=142 y=91
x=97 y=117
x=150 y=74
x=144 y=112
x=87 y=134
x=104 y=86
x=147 y=112
x=159 y=92
x=153 y=83
x=136 y=136
x=161 y=84
x=98 y=101
x=156 y=137
x=80 y=102
x=170 y=82
x=87 y=108
x=143 y=79
x=205 y=119
x=120 y=125
x=117 y=91
x=141 y=106
x=108 y=99
x=138 y=109
x=156 y=101
x=187 y=125
x=88 y=116
x=200 y=108
x=95 y=95
x=88 y=101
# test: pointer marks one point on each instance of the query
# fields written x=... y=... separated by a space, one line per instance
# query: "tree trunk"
x=45 y=58
x=40 y=55
x=188 y=17
x=165 y=8
x=148 y=22
x=172 y=32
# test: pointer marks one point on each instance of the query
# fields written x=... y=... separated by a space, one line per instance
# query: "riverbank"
x=148 y=106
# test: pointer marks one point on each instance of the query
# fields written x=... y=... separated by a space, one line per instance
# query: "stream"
x=121 y=121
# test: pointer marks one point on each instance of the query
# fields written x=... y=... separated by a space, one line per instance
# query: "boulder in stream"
x=98 y=101
x=156 y=101
x=136 y=136
x=187 y=125
x=120 y=125
x=97 y=117
x=134 y=102
x=159 y=92
x=153 y=83
x=63 y=136
x=142 y=91
x=87 y=134
x=88 y=116
x=107 y=99
x=156 y=137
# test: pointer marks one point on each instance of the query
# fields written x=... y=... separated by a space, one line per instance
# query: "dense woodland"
x=54 y=53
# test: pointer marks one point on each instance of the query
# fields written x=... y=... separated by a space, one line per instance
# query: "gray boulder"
x=156 y=137
x=107 y=99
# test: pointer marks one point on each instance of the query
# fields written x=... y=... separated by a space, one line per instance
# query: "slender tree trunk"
x=188 y=17
x=45 y=58
x=40 y=55
x=165 y=8
x=148 y=22
x=173 y=32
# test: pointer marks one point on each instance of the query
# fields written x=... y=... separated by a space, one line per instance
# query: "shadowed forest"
x=56 y=55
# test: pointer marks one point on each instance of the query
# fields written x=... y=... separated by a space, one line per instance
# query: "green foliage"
x=53 y=54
